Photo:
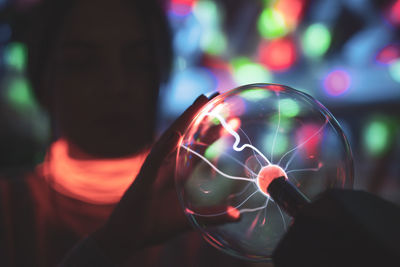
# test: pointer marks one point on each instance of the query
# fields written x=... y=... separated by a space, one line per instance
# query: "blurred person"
x=96 y=67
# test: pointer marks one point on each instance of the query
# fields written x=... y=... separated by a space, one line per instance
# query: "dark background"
x=344 y=53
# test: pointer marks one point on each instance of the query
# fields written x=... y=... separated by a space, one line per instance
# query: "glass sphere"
x=241 y=140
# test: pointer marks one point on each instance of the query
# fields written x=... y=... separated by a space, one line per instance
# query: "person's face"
x=103 y=78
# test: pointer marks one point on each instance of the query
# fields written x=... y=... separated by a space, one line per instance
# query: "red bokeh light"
x=388 y=54
x=182 y=7
x=292 y=11
x=307 y=135
x=277 y=55
x=394 y=13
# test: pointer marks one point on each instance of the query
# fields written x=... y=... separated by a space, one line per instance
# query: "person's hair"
x=39 y=27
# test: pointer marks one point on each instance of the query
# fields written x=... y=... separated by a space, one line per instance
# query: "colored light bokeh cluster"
x=293 y=42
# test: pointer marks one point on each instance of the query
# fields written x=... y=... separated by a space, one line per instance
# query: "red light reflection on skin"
x=97 y=181
x=277 y=55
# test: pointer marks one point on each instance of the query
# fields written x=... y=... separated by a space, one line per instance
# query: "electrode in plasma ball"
x=238 y=144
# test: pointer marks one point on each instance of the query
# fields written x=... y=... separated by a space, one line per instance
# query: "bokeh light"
x=15 y=56
x=316 y=40
x=245 y=72
x=337 y=82
x=181 y=8
x=19 y=94
x=376 y=137
x=271 y=24
x=388 y=54
x=394 y=70
x=278 y=55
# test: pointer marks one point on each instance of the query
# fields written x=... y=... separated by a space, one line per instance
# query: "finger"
x=182 y=122
x=167 y=143
x=148 y=172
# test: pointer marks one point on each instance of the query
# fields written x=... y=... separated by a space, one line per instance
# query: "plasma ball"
x=267 y=174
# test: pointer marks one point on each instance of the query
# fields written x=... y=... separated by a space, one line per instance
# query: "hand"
x=149 y=212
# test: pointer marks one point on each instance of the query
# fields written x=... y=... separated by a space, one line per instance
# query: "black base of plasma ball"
x=287 y=196
x=342 y=228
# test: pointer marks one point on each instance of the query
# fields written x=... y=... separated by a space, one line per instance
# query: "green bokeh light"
x=15 y=56
x=271 y=24
x=376 y=137
x=316 y=40
x=214 y=150
x=247 y=72
x=214 y=43
x=278 y=147
x=289 y=108
x=19 y=94
x=255 y=94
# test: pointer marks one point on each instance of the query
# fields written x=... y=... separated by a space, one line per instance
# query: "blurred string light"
x=337 y=82
x=15 y=55
x=246 y=71
x=394 y=70
x=277 y=55
x=181 y=8
x=376 y=136
x=213 y=40
x=316 y=40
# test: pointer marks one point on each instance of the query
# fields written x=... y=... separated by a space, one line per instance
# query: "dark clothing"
x=39 y=226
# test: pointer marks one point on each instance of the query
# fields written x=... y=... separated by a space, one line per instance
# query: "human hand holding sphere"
x=149 y=212
x=229 y=150
x=267 y=131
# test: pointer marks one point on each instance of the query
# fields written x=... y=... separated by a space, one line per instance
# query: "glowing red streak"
x=98 y=181
x=233 y=212
x=278 y=55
